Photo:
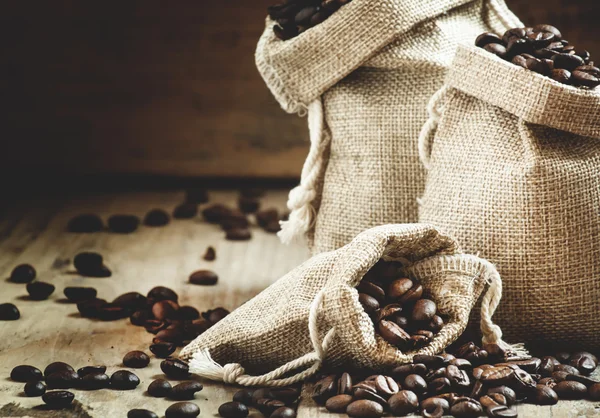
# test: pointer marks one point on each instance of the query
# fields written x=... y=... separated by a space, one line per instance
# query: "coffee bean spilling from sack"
x=472 y=382
x=271 y=402
x=543 y=50
x=296 y=16
x=401 y=314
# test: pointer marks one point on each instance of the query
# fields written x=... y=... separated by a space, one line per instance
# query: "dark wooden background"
x=158 y=87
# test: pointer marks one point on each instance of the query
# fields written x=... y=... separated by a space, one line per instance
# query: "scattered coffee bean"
x=186 y=390
x=238 y=234
x=266 y=217
x=165 y=309
x=156 y=217
x=243 y=396
x=9 y=312
x=215 y=315
x=123 y=224
x=364 y=409
x=403 y=403
x=58 y=399
x=594 y=392
x=214 y=214
x=111 y=312
x=338 y=403
x=84 y=371
x=124 y=380
x=196 y=195
x=139 y=318
x=204 y=277
x=185 y=211
x=79 y=294
x=175 y=369
x=35 y=388
x=23 y=273
x=57 y=366
x=141 y=413
x=284 y=412
x=248 y=204
x=233 y=410
x=159 y=293
x=182 y=410
x=583 y=361
x=40 y=290
x=64 y=379
x=544 y=395
x=570 y=390
x=160 y=388
x=95 y=381
x=210 y=254
x=91 y=308
x=162 y=349
x=91 y=265
x=26 y=373
x=188 y=313
x=86 y=223
x=267 y=406
x=136 y=360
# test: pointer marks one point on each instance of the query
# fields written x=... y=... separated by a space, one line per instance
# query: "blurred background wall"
x=163 y=87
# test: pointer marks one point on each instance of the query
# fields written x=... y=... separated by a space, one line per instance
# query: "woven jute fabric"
x=272 y=328
x=514 y=176
x=371 y=68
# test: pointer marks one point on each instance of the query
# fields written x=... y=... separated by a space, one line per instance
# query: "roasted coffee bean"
x=515 y=33
x=520 y=60
x=174 y=336
x=175 y=369
x=518 y=46
x=182 y=410
x=569 y=389
x=160 y=293
x=501 y=411
x=369 y=303
x=188 y=313
x=139 y=318
x=565 y=368
x=79 y=294
x=248 y=204
x=35 y=388
x=584 y=78
x=547 y=381
x=364 y=409
x=284 y=412
x=540 y=39
x=412 y=295
x=156 y=217
x=263 y=393
x=372 y=290
x=233 y=410
x=91 y=308
x=403 y=403
x=487 y=38
x=131 y=300
x=123 y=224
x=399 y=287
x=94 y=381
x=344 y=384
x=559 y=376
x=544 y=395
x=530 y=365
x=141 y=413
x=26 y=373
x=339 y=403
x=547 y=365
x=266 y=217
x=415 y=383
x=594 y=392
x=497 y=375
x=58 y=399
x=462 y=363
x=185 y=211
x=287 y=395
x=210 y=254
x=86 y=223
x=124 y=380
x=563 y=356
x=136 y=360
x=439 y=385
x=9 y=312
x=550 y=29
x=393 y=334
x=186 y=390
x=432 y=404
x=165 y=309
x=154 y=326
x=238 y=234
x=215 y=315
x=160 y=388
x=457 y=377
x=267 y=406
x=466 y=408
x=583 y=361
x=486 y=401
x=582 y=379
x=424 y=310
x=234 y=219
x=57 y=366
x=389 y=312
x=196 y=195
x=404 y=370
x=324 y=389
x=110 y=312
x=433 y=362
x=509 y=395
x=204 y=277
x=386 y=386
x=243 y=396
x=214 y=214
x=368 y=393
x=64 y=379
x=23 y=273
x=539 y=66
x=91 y=265
x=567 y=61
x=522 y=382
x=40 y=290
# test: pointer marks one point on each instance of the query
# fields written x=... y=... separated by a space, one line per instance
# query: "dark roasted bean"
x=185 y=211
x=582 y=379
x=344 y=384
x=23 y=273
x=565 y=368
x=544 y=395
x=372 y=290
x=40 y=290
x=424 y=310
x=204 y=277
x=415 y=383
x=91 y=265
x=439 y=385
x=248 y=204
x=165 y=309
x=64 y=379
x=243 y=396
x=549 y=28
x=26 y=373
x=569 y=389
x=136 y=360
x=141 y=413
x=91 y=308
x=233 y=410
x=175 y=369
x=35 y=388
x=567 y=61
x=487 y=38
x=9 y=312
x=399 y=287
x=94 y=381
x=403 y=403
x=156 y=217
x=594 y=392
x=286 y=395
x=507 y=392
x=58 y=399
x=131 y=300
x=182 y=410
x=57 y=366
x=364 y=408
x=185 y=390
x=238 y=234
x=215 y=213
x=123 y=224
x=386 y=386
x=124 y=380
x=324 y=389
x=196 y=195
x=393 y=334
x=283 y=412
x=163 y=349
x=139 y=318
x=268 y=406
x=210 y=254
x=79 y=294
x=160 y=388
x=466 y=408
x=110 y=312
x=338 y=403
x=369 y=303
x=530 y=365
x=160 y=293
x=583 y=361
x=86 y=223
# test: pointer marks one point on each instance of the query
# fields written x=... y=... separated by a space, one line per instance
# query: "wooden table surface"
x=52 y=330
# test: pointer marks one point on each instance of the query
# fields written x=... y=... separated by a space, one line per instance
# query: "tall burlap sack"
x=365 y=76
x=514 y=176
x=312 y=315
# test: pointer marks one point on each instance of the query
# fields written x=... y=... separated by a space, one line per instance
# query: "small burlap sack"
x=365 y=76
x=312 y=315
x=514 y=176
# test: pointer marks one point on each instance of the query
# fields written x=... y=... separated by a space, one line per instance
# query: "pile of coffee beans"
x=396 y=304
x=271 y=402
x=473 y=382
x=542 y=49
x=296 y=16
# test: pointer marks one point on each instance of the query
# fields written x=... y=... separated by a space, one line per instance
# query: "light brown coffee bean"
x=386 y=386
x=399 y=287
x=364 y=409
x=338 y=403
x=403 y=403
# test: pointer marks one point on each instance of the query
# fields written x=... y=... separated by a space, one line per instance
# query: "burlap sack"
x=365 y=76
x=312 y=315
x=514 y=176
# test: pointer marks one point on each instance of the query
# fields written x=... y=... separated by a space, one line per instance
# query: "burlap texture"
x=271 y=329
x=373 y=66
x=515 y=177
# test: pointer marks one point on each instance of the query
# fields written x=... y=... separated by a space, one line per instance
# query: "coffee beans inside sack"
x=364 y=76
x=513 y=160
x=349 y=308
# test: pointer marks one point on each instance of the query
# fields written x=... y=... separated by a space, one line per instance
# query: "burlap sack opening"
x=312 y=315
x=514 y=176
x=365 y=76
